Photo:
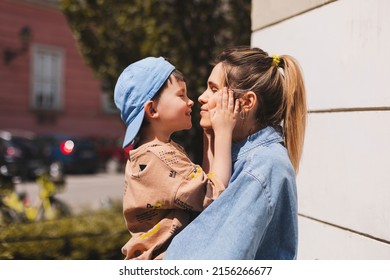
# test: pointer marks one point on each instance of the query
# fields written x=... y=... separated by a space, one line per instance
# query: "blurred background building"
x=45 y=87
x=344 y=181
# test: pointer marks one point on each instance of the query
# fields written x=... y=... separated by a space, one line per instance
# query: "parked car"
x=73 y=154
x=112 y=157
x=19 y=155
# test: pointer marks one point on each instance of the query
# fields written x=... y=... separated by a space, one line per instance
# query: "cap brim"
x=133 y=128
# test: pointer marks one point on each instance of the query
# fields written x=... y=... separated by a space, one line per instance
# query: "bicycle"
x=15 y=207
x=7 y=195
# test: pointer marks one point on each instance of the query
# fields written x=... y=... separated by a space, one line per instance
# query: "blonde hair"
x=278 y=84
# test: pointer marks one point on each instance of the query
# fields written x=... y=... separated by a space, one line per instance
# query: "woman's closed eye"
x=214 y=89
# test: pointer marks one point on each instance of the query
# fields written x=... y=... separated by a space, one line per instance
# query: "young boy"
x=164 y=190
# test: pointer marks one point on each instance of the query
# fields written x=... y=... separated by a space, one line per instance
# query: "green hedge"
x=93 y=236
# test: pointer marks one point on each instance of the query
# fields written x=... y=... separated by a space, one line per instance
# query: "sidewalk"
x=84 y=192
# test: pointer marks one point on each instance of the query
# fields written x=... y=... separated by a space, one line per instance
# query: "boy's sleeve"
x=198 y=190
x=193 y=189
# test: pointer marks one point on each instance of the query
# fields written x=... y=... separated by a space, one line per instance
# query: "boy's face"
x=174 y=107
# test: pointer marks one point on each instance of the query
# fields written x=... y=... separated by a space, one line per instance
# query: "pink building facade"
x=45 y=86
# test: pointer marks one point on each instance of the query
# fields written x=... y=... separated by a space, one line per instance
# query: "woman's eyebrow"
x=212 y=84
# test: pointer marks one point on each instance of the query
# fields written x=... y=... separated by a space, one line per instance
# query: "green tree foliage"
x=114 y=33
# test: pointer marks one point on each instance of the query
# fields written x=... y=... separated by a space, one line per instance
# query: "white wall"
x=267 y=12
x=344 y=179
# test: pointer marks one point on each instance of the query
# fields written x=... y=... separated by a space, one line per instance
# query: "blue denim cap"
x=137 y=84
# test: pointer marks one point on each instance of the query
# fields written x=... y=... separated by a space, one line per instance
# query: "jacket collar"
x=263 y=137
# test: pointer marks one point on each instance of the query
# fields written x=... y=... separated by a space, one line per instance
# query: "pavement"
x=83 y=192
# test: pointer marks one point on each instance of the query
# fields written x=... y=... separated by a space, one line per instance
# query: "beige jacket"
x=164 y=191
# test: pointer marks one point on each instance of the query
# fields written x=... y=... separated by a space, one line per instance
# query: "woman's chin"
x=205 y=124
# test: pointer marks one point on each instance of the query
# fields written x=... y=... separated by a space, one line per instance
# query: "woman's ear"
x=248 y=101
x=150 y=110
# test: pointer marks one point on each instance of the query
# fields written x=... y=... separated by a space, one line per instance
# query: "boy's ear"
x=150 y=110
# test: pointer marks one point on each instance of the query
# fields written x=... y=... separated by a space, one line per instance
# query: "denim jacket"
x=256 y=216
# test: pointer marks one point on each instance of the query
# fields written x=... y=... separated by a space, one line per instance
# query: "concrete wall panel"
x=318 y=241
x=343 y=48
x=344 y=177
x=267 y=12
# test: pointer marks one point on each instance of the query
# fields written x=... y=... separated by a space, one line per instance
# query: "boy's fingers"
x=231 y=101
x=219 y=100
x=224 y=98
x=212 y=112
x=237 y=107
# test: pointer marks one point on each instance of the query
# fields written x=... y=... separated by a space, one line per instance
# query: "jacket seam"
x=265 y=187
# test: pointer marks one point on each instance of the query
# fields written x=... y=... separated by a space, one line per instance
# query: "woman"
x=256 y=216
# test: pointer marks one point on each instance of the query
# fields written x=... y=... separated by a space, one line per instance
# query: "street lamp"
x=25 y=38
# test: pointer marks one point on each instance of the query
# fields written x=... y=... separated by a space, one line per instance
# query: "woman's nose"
x=202 y=99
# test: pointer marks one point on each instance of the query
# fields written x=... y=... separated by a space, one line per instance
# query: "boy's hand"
x=224 y=115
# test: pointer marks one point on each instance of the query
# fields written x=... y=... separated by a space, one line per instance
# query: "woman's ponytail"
x=294 y=122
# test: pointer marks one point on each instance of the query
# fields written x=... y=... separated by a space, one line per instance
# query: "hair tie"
x=276 y=59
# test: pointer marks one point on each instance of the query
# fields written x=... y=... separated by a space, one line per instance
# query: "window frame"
x=57 y=78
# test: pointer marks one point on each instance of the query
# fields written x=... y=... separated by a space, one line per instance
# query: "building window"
x=47 y=78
